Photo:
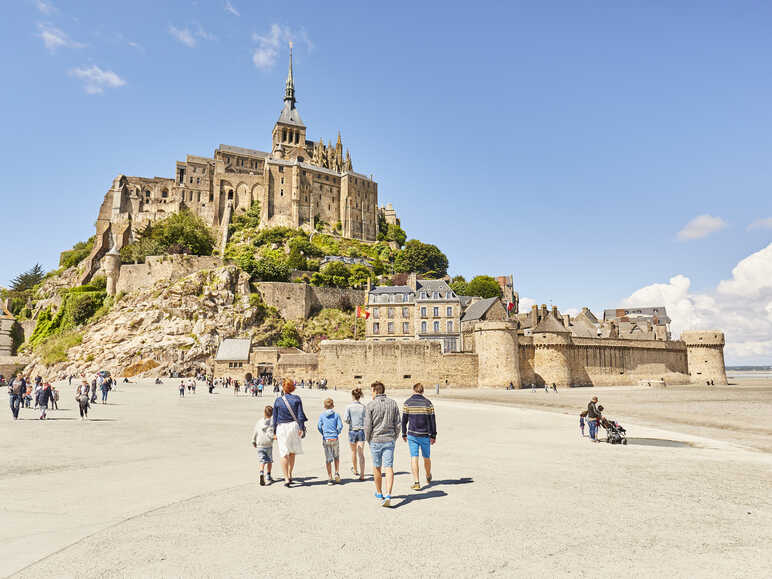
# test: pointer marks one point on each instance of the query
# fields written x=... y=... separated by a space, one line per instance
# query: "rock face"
x=176 y=325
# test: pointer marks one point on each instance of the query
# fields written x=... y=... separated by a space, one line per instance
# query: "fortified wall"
x=130 y=278
x=705 y=353
x=296 y=301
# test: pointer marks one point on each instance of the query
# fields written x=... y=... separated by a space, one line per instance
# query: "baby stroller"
x=615 y=432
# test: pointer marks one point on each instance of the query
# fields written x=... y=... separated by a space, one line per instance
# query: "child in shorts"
x=330 y=426
x=582 y=416
x=262 y=440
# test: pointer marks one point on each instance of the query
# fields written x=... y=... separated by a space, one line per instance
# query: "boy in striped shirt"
x=419 y=430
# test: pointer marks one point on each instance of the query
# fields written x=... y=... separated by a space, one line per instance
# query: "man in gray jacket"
x=382 y=427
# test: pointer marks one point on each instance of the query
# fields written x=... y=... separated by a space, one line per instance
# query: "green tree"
x=181 y=232
x=396 y=234
x=28 y=279
x=270 y=268
x=484 y=286
x=78 y=253
x=250 y=218
x=459 y=285
x=289 y=336
x=423 y=258
x=359 y=274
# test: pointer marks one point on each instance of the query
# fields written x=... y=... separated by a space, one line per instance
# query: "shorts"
x=422 y=442
x=355 y=436
x=331 y=449
x=265 y=455
x=383 y=454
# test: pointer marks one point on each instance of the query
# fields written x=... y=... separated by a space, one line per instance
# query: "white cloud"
x=525 y=305
x=136 y=45
x=267 y=51
x=183 y=36
x=761 y=224
x=230 y=9
x=95 y=80
x=201 y=33
x=701 y=226
x=45 y=7
x=740 y=306
x=54 y=38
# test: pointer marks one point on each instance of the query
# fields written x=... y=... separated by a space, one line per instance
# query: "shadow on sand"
x=660 y=442
x=407 y=499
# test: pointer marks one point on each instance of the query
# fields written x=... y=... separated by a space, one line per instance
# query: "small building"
x=232 y=358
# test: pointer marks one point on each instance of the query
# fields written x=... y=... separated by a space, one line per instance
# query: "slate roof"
x=465 y=300
x=391 y=289
x=478 y=309
x=290 y=115
x=433 y=285
x=550 y=325
x=659 y=313
x=233 y=350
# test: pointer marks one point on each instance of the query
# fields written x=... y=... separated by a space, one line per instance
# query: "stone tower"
x=497 y=356
x=705 y=355
x=289 y=131
x=552 y=349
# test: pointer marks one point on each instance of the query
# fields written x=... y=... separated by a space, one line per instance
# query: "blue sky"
x=566 y=142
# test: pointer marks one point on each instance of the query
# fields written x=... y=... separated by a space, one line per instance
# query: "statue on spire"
x=348 y=166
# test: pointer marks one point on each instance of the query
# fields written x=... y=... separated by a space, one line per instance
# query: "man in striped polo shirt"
x=419 y=430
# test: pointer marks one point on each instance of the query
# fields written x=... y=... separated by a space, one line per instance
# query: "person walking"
x=381 y=431
x=55 y=399
x=419 y=430
x=262 y=440
x=330 y=426
x=182 y=389
x=81 y=395
x=355 y=418
x=582 y=417
x=289 y=424
x=44 y=398
x=105 y=388
x=16 y=393
x=593 y=416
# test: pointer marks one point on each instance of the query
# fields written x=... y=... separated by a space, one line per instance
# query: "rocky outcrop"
x=177 y=324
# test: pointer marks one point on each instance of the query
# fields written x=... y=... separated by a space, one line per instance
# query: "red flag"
x=362 y=313
x=510 y=306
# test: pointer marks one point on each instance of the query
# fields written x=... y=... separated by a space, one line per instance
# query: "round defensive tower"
x=551 y=357
x=497 y=357
x=112 y=266
x=705 y=355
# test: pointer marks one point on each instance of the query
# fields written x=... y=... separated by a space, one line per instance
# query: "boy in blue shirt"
x=330 y=426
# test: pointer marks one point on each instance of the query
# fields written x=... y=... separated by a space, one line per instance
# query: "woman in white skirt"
x=289 y=424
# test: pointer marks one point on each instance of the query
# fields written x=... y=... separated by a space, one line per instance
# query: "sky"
x=605 y=153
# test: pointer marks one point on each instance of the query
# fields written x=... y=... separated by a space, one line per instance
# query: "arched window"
x=284 y=135
x=423 y=327
x=230 y=195
x=164 y=193
x=147 y=193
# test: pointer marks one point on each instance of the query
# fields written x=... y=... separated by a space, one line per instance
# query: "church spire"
x=289 y=88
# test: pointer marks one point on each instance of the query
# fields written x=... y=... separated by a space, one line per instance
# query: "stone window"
x=147 y=194
x=281 y=169
x=376 y=313
x=423 y=327
x=164 y=194
x=450 y=326
x=376 y=328
x=198 y=180
x=230 y=195
x=405 y=313
x=423 y=312
x=390 y=312
x=450 y=311
x=211 y=197
x=436 y=312
x=405 y=327
x=281 y=193
x=191 y=179
x=436 y=327
x=390 y=328
x=282 y=180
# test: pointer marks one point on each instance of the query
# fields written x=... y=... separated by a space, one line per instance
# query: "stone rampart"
x=545 y=359
x=297 y=301
x=349 y=363
x=705 y=352
x=162 y=267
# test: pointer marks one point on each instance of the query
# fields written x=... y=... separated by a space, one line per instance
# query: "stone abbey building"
x=299 y=183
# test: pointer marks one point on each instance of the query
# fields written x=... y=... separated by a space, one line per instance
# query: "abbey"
x=299 y=183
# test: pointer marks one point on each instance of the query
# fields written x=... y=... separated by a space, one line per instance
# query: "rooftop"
x=233 y=350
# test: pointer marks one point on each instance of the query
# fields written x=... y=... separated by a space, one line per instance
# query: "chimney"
x=544 y=310
x=555 y=312
x=566 y=321
x=412 y=281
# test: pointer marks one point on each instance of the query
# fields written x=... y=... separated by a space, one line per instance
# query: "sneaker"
x=416 y=486
x=379 y=496
x=428 y=478
x=262 y=480
x=269 y=477
x=386 y=501
x=337 y=478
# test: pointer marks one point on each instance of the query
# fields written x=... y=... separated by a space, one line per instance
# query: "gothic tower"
x=289 y=132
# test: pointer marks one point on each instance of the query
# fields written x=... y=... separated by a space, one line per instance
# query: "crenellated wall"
x=161 y=267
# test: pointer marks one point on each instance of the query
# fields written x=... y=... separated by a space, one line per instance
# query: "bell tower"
x=289 y=132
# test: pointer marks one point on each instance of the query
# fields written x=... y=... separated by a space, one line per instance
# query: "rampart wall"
x=296 y=301
x=567 y=361
x=162 y=267
x=347 y=363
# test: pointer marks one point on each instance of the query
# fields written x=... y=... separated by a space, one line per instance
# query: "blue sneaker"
x=386 y=501
x=379 y=496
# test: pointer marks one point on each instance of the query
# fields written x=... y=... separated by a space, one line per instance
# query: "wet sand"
x=158 y=486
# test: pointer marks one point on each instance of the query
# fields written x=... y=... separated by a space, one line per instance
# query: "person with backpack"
x=289 y=424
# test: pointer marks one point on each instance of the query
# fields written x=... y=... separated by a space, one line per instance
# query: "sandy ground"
x=158 y=486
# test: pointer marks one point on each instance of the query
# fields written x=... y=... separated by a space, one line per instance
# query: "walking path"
x=158 y=485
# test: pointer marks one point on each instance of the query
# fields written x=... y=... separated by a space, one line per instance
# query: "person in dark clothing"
x=593 y=416
x=16 y=389
x=419 y=430
x=81 y=395
x=44 y=397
